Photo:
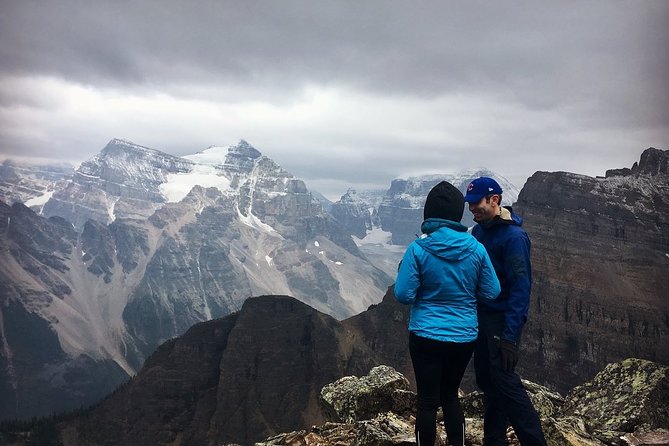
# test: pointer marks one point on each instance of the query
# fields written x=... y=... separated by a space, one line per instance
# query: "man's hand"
x=508 y=352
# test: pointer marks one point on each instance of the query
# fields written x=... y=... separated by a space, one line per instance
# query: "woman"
x=441 y=276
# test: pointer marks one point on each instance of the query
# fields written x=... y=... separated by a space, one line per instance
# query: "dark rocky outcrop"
x=600 y=255
x=235 y=379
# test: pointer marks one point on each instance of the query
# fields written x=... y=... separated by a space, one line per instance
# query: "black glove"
x=508 y=353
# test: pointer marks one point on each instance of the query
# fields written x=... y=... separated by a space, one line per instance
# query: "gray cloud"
x=588 y=77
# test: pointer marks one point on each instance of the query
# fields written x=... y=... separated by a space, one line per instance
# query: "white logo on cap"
x=490 y=189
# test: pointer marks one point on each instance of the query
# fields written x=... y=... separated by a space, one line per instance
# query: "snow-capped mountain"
x=123 y=181
x=157 y=243
x=383 y=223
x=401 y=212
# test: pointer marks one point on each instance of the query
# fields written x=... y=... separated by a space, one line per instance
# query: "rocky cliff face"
x=40 y=371
x=354 y=214
x=600 y=258
x=115 y=286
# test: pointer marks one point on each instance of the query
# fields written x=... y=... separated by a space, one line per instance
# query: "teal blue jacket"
x=442 y=274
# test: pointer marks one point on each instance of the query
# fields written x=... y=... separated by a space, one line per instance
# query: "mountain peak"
x=241 y=157
x=117 y=144
x=243 y=148
x=653 y=162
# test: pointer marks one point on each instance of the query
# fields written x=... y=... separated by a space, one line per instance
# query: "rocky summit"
x=625 y=404
x=600 y=257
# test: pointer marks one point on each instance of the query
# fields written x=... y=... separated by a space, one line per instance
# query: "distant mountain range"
x=137 y=245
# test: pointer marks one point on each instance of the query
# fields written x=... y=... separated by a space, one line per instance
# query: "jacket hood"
x=446 y=239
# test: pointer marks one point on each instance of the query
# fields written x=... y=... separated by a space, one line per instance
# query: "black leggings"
x=439 y=367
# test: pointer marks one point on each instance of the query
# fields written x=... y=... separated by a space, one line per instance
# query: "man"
x=501 y=321
x=442 y=275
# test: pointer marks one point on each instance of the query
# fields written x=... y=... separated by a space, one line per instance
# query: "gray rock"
x=629 y=394
x=350 y=398
x=624 y=397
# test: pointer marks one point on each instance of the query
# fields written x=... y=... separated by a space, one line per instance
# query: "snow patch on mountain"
x=254 y=222
x=39 y=201
x=178 y=185
x=375 y=236
x=212 y=156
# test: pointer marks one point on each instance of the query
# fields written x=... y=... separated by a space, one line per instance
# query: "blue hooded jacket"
x=442 y=274
x=508 y=246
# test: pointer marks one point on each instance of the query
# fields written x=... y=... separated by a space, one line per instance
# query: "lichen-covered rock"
x=631 y=394
x=624 y=397
x=386 y=429
x=472 y=404
x=658 y=437
x=568 y=431
x=546 y=402
x=350 y=398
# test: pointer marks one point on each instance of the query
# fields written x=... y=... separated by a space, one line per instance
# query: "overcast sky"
x=342 y=93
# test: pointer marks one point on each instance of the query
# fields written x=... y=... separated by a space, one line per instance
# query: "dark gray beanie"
x=444 y=201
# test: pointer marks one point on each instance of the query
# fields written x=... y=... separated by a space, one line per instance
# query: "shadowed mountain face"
x=236 y=379
x=600 y=254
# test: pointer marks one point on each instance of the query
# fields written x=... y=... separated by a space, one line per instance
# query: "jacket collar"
x=432 y=224
x=506 y=216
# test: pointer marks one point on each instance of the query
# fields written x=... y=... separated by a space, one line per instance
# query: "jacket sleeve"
x=408 y=276
x=518 y=271
x=488 y=286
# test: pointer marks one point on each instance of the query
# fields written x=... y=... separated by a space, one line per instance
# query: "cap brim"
x=473 y=198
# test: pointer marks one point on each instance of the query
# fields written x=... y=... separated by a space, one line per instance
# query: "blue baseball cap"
x=481 y=187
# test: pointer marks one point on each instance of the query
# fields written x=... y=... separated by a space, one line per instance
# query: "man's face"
x=485 y=209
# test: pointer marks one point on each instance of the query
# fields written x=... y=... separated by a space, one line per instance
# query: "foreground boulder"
x=627 y=403
x=351 y=399
x=628 y=397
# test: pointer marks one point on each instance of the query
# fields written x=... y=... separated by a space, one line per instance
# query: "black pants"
x=506 y=400
x=439 y=367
